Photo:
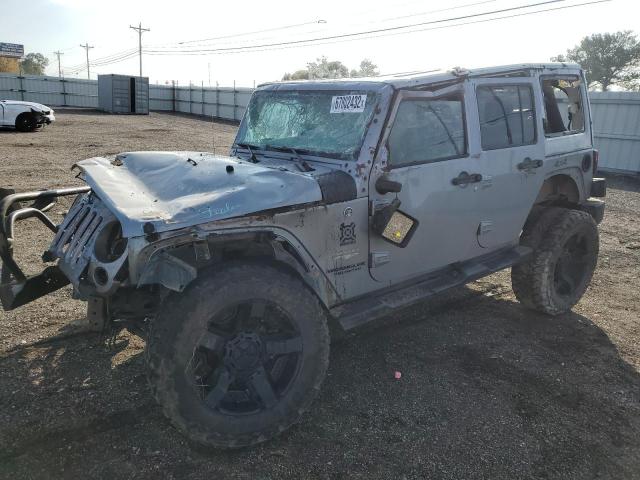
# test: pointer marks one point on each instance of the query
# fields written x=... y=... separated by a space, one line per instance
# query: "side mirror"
x=384 y=185
x=393 y=225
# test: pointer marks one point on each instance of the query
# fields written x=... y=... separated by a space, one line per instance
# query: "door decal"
x=347 y=233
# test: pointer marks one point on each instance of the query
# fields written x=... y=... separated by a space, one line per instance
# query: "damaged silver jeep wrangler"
x=340 y=201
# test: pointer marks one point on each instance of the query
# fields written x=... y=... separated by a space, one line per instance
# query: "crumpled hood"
x=178 y=189
x=36 y=106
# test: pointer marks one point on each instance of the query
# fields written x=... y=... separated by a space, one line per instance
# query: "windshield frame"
x=330 y=88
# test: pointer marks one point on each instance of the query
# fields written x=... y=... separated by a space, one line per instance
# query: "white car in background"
x=24 y=116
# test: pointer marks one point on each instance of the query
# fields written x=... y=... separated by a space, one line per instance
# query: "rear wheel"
x=239 y=356
x=565 y=251
x=26 y=122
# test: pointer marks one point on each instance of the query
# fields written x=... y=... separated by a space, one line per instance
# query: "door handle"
x=529 y=164
x=465 y=178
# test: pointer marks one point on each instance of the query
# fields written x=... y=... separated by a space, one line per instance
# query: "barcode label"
x=348 y=103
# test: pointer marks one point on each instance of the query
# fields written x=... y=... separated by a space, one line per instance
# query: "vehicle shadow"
x=625 y=182
x=80 y=111
x=487 y=390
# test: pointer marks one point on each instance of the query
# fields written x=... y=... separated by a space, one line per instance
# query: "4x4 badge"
x=347 y=233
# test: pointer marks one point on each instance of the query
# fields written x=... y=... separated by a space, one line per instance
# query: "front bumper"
x=46 y=119
x=16 y=288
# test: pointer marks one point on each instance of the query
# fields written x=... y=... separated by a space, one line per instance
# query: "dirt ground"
x=488 y=389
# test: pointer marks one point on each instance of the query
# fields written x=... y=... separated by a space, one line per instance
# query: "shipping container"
x=123 y=94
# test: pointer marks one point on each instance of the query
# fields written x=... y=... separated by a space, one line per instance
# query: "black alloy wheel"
x=247 y=358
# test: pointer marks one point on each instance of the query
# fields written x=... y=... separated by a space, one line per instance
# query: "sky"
x=438 y=43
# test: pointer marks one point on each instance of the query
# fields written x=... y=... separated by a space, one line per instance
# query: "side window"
x=563 y=105
x=427 y=131
x=507 y=116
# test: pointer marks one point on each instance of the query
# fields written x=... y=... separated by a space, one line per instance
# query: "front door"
x=426 y=148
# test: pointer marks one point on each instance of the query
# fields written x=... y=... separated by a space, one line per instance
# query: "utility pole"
x=58 y=53
x=86 y=46
x=139 y=29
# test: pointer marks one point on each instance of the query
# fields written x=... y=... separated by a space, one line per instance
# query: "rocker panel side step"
x=381 y=302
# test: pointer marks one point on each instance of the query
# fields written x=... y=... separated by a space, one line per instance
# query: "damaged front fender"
x=176 y=261
x=168 y=271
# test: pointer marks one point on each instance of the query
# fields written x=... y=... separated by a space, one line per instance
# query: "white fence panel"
x=10 y=86
x=616 y=125
x=161 y=97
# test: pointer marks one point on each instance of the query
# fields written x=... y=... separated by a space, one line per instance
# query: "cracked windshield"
x=324 y=123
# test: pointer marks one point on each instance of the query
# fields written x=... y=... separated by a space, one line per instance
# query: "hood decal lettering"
x=210 y=212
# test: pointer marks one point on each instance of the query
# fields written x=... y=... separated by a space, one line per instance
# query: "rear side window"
x=563 y=106
x=427 y=131
x=507 y=116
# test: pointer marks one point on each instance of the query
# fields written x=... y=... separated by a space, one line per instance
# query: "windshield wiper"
x=302 y=163
x=253 y=157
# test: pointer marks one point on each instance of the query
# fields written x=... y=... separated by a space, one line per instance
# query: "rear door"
x=509 y=155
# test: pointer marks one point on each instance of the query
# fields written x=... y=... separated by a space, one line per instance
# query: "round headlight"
x=110 y=244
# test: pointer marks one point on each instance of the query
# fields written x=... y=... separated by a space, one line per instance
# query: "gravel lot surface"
x=488 y=389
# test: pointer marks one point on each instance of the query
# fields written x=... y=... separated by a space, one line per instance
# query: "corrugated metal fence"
x=227 y=103
x=616 y=115
x=53 y=91
x=616 y=126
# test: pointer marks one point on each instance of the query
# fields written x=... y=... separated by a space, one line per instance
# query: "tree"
x=323 y=68
x=34 y=64
x=367 y=69
x=608 y=59
x=297 y=75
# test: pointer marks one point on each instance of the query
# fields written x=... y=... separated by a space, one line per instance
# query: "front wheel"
x=26 y=122
x=565 y=253
x=238 y=356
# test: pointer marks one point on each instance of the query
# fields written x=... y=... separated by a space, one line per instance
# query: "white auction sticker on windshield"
x=348 y=103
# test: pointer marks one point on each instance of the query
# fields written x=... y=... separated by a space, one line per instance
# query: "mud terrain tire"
x=565 y=247
x=237 y=403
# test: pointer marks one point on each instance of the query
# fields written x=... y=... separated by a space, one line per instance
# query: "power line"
x=113 y=58
x=357 y=36
x=379 y=30
x=235 y=35
x=116 y=59
x=458 y=7
x=139 y=29
x=86 y=46
x=126 y=54
x=80 y=68
x=417 y=14
x=442 y=27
